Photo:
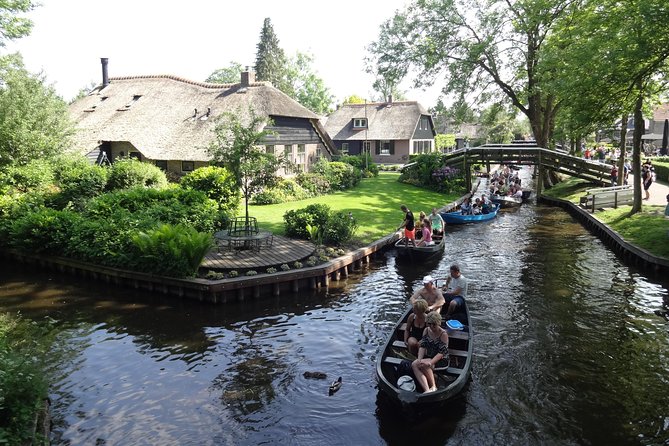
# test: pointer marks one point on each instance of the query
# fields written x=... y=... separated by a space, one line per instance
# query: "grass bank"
x=375 y=204
x=647 y=229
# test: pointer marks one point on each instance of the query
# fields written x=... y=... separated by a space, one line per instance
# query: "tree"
x=304 y=85
x=354 y=99
x=12 y=26
x=228 y=75
x=237 y=147
x=492 y=49
x=270 y=58
x=34 y=122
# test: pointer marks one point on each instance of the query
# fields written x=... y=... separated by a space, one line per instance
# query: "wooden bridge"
x=530 y=154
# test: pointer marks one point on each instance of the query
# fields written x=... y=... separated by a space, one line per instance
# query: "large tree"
x=270 y=57
x=228 y=75
x=487 y=48
x=12 y=24
x=34 y=122
x=305 y=86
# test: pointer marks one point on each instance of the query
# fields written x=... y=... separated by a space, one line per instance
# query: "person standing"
x=409 y=226
x=647 y=171
x=437 y=222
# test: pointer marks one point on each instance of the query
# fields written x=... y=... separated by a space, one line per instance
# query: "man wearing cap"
x=431 y=294
x=454 y=290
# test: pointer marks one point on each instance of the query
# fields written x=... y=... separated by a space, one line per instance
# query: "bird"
x=315 y=375
x=336 y=385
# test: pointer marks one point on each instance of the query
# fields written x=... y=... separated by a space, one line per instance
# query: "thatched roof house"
x=391 y=131
x=170 y=121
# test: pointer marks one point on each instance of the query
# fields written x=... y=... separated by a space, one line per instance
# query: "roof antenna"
x=195 y=114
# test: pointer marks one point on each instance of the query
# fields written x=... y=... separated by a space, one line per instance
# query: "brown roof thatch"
x=385 y=120
x=156 y=114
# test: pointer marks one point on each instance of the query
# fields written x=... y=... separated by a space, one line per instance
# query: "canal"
x=571 y=348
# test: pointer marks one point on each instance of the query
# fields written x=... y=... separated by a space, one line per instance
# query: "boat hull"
x=506 y=202
x=456 y=218
x=421 y=252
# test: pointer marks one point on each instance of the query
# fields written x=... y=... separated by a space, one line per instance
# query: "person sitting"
x=433 y=352
x=454 y=291
x=518 y=193
x=419 y=225
x=476 y=207
x=437 y=222
x=413 y=332
x=431 y=294
x=466 y=207
x=426 y=239
x=485 y=205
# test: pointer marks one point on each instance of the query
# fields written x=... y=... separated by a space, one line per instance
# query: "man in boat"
x=409 y=226
x=454 y=289
x=431 y=294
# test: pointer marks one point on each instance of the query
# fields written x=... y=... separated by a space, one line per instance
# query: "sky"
x=192 y=39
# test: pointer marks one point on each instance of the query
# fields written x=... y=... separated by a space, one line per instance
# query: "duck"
x=315 y=375
x=336 y=385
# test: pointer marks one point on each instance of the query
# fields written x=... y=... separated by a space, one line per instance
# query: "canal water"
x=571 y=348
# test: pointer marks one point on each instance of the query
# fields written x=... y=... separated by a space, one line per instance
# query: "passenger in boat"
x=426 y=239
x=454 y=291
x=431 y=294
x=409 y=226
x=433 y=352
x=466 y=207
x=476 y=207
x=413 y=332
x=518 y=193
x=485 y=205
x=419 y=225
x=437 y=222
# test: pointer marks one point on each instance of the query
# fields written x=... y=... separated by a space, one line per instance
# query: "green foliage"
x=315 y=183
x=353 y=99
x=340 y=175
x=305 y=86
x=315 y=234
x=78 y=181
x=45 y=231
x=444 y=141
x=362 y=162
x=270 y=58
x=36 y=175
x=296 y=221
x=231 y=74
x=12 y=24
x=286 y=190
x=661 y=168
x=34 y=122
x=127 y=173
x=175 y=251
x=339 y=229
x=23 y=388
x=218 y=183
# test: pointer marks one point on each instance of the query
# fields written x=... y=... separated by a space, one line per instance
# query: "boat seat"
x=451 y=351
x=455 y=334
x=450 y=370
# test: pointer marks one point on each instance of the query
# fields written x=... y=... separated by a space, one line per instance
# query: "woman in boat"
x=433 y=352
x=426 y=239
x=466 y=207
x=437 y=222
x=415 y=326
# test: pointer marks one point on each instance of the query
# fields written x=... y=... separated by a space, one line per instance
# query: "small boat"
x=421 y=252
x=393 y=366
x=526 y=194
x=456 y=218
x=506 y=201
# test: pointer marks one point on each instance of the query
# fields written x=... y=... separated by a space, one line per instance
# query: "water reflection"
x=571 y=347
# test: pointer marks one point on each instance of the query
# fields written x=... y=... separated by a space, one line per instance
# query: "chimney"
x=248 y=78
x=105 y=75
x=390 y=98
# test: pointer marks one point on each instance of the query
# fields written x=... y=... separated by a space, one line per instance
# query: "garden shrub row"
x=428 y=171
x=317 y=222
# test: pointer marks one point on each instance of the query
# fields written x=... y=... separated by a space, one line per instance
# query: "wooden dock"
x=283 y=250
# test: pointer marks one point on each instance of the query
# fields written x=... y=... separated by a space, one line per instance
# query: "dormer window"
x=359 y=123
x=135 y=98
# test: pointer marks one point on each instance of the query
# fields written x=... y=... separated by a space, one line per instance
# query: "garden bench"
x=606 y=197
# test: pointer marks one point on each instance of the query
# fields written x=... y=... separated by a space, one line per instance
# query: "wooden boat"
x=421 y=252
x=456 y=218
x=506 y=201
x=395 y=362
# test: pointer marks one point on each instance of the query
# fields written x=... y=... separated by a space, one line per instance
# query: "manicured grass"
x=647 y=229
x=374 y=203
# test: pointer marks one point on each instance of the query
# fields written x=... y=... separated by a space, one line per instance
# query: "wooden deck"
x=283 y=250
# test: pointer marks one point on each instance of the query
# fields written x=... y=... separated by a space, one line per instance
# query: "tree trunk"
x=636 y=151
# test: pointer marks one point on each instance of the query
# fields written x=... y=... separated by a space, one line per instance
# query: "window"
x=359 y=123
x=385 y=147
x=269 y=150
x=288 y=153
x=161 y=164
x=424 y=123
x=135 y=155
x=422 y=146
x=344 y=148
x=187 y=166
x=300 y=159
x=367 y=146
x=319 y=153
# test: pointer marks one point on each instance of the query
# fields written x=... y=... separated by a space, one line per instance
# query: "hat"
x=405 y=382
x=427 y=279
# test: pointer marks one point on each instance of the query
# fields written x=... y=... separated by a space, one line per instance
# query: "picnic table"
x=253 y=241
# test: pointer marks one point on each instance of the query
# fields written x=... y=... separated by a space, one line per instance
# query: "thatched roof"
x=385 y=120
x=156 y=114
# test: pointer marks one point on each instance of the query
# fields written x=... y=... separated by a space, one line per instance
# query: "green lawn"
x=375 y=204
x=647 y=229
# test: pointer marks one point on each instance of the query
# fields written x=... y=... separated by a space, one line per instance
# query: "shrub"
x=297 y=265
x=339 y=229
x=270 y=196
x=43 y=231
x=217 y=183
x=286 y=190
x=37 y=175
x=169 y=250
x=285 y=267
x=315 y=183
x=79 y=182
x=233 y=273
x=340 y=175
x=251 y=272
x=214 y=275
x=363 y=163
x=271 y=270
x=127 y=173
x=296 y=220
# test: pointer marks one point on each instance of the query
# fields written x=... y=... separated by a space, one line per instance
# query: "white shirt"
x=454 y=284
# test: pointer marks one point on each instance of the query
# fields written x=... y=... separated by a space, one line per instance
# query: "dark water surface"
x=571 y=348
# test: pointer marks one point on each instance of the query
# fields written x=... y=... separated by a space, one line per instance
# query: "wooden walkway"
x=283 y=250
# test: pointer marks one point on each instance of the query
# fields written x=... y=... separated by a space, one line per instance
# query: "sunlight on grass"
x=375 y=204
x=571 y=189
x=647 y=229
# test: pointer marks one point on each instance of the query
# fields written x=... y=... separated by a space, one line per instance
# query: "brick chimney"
x=105 y=74
x=248 y=78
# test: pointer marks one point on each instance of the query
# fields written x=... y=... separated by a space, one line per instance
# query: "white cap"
x=427 y=279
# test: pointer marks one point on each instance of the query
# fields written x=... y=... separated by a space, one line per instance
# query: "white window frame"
x=300 y=158
x=186 y=164
x=359 y=123
x=344 y=148
x=421 y=146
x=383 y=151
x=367 y=147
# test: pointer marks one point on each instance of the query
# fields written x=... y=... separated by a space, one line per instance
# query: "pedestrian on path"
x=647 y=173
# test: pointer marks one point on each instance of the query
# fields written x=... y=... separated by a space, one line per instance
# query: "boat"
x=421 y=252
x=506 y=201
x=394 y=365
x=456 y=218
x=526 y=194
